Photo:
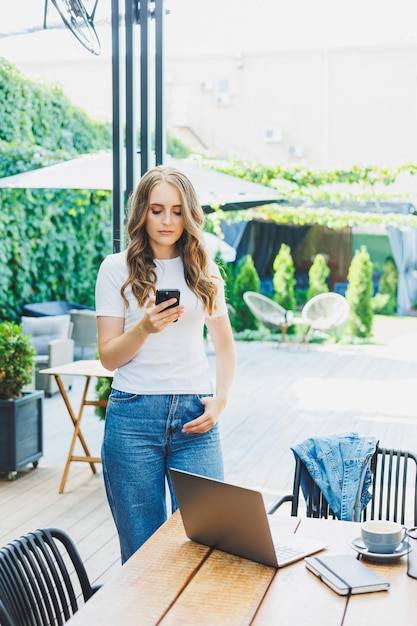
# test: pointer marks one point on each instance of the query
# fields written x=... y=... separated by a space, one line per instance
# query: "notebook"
x=234 y=519
x=345 y=574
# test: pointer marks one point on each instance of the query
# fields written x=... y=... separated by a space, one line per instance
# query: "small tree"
x=387 y=288
x=317 y=277
x=359 y=295
x=246 y=279
x=283 y=279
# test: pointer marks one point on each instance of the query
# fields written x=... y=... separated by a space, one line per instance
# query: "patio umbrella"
x=94 y=171
x=215 y=244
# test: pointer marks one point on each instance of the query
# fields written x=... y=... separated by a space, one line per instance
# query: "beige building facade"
x=323 y=108
x=289 y=82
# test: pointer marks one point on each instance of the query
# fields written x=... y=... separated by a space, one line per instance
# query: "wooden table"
x=89 y=369
x=172 y=580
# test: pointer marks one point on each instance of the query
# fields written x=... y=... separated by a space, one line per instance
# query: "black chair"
x=38 y=584
x=394 y=489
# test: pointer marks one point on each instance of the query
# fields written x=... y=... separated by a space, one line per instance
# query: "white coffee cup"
x=382 y=536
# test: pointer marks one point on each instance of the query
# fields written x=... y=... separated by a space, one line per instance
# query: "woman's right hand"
x=159 y=316
x=117 y=347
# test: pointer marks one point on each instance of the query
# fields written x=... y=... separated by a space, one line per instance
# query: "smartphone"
x=166 y=294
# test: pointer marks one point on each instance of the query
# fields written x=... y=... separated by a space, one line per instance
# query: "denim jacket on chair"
x=340 y=467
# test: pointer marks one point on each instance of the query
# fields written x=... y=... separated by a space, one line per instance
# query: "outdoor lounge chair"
x=394 y=489
x=37 y=583
x=325 y=313
x=271 y=314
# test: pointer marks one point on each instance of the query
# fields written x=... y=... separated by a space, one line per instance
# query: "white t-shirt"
x=174 y=360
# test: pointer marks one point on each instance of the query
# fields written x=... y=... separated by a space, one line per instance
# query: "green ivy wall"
x=52 y=241
x=52 y=244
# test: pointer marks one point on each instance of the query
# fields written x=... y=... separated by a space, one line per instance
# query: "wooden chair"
x=37 y=583
x=394 y=489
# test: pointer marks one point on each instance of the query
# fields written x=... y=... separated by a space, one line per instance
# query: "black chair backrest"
x=38 y=585
x=394 y=489
x=5 y=619
x=394 y=486
x=316 y=503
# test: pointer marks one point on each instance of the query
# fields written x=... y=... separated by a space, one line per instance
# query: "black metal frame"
x=392 y=473
x=137 y=12
x=36 y=587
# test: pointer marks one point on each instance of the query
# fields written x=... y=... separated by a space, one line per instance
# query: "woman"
x=162 y=411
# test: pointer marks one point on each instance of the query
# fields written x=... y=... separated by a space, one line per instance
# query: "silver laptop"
x=234 y=519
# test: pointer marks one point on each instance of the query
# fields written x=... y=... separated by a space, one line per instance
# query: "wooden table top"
x=79 y=368
x=172 y=580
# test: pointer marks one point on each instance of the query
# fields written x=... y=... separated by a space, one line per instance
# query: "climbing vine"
x=336 y=198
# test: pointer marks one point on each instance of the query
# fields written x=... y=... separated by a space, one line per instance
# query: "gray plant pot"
x=21 y=432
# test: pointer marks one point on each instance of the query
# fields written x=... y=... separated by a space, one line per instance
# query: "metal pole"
x=160 y=136
x=117 y=143
x=131 y=147
x=145 y=142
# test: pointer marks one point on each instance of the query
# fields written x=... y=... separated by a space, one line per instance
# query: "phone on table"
x=166 y=294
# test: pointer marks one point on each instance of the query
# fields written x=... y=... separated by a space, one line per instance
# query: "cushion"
x=86 y=312
x=43 y=329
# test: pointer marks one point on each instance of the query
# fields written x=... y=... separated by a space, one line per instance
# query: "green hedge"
x=52 y=244
x=39 y=124
x=52 y=240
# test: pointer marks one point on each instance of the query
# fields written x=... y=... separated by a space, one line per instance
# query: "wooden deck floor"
x=281 y=396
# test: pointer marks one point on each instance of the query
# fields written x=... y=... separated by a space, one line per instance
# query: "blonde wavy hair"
x=191 y=246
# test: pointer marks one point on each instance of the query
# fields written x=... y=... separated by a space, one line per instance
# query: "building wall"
x=321 y=108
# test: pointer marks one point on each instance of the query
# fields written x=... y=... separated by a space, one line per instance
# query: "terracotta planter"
x=21 y=432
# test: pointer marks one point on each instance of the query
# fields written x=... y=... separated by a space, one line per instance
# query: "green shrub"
x=37 y=114
x=317 y=277
x=359 y=295
x=175 y=147
x=16 y=360
x=227 y=272
x=386 y=303
x=283 y=279
x=246 y=279
x=103 y=389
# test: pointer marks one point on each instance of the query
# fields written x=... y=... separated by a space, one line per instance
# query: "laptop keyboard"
x=286 y=552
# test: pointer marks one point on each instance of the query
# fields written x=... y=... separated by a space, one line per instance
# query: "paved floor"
x=281 y=396
x=284 y=395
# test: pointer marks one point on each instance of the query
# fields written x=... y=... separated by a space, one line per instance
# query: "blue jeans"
x=142 y=440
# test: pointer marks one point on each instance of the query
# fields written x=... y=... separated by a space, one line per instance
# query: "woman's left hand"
x=213 y=407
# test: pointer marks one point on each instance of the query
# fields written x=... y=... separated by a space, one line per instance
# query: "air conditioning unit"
x=295 y=150
x=223 y=99
x=273 y=134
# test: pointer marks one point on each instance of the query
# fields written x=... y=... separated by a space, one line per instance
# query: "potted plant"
x=21 y=411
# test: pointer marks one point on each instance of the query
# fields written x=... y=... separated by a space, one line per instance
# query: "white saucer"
x=358 y=545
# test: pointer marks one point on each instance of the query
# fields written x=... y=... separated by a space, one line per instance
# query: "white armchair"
x=51 y=338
